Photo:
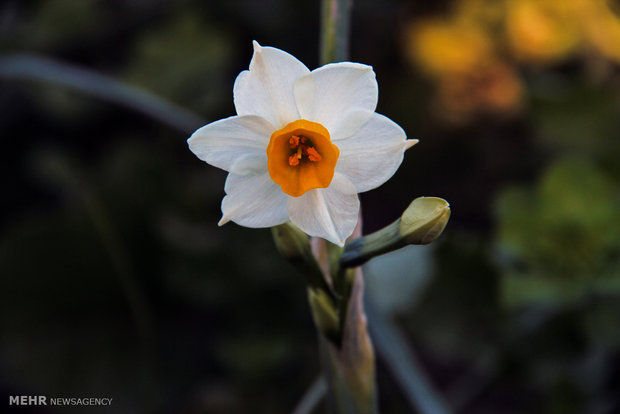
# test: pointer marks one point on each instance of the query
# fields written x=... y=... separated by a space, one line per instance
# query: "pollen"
x=301 y=157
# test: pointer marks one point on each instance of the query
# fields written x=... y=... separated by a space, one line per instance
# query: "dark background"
x=116 y=282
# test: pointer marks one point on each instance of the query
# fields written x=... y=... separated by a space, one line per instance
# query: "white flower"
x=302 y=145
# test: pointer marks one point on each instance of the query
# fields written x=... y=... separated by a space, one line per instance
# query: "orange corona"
x=301 y=157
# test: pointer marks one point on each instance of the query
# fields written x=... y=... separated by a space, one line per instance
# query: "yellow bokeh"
x=542 y=31
x=471 y=51
x=440 y=46
x=601 y=25
x=488 y=13
x=495 y=88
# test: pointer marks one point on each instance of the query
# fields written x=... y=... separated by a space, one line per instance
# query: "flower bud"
x=291 y=242
x=421 y=223
x=424 y=220
x=294 y=245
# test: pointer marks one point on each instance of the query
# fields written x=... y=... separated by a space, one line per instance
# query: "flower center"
x=301 y=157
x=302 y=147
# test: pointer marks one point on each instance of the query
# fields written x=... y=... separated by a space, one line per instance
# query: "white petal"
x=267 y=88
x=349 y=124
x=330 y=213
x=226 y=142
x=373 y=154
x=330 y=91
x=253 y=201
x=250 y=164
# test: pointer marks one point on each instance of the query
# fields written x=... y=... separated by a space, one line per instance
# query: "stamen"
x=293 y=160
x=300 y=144
x=313 y=155
x=293 y=141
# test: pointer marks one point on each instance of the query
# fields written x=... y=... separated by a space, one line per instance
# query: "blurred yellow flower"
x=601 y=24
x=542 y=31
x=470 y=52
x=488 y=13
x=440 y=46
x=492 y=89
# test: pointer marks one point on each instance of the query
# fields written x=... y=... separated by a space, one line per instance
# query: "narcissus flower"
x=302 y=145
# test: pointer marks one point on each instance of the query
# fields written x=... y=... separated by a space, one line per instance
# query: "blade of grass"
x=393 y=349
x=312 y=396
x=43 y=69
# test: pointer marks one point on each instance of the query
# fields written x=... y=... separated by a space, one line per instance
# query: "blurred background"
x=116 y=282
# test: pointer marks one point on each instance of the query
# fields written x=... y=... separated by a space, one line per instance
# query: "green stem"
x=349 y=366
x=335 y=19
x=348 y=363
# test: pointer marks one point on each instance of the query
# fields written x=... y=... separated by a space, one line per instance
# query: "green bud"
x=291 y=242
x=421 y=223
x=424 y=220
x=294 y=245
x=324 y=314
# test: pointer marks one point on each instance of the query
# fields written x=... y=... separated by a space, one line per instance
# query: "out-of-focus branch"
x=43 y=69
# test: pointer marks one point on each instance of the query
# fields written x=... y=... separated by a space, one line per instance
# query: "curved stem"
x=44 y=69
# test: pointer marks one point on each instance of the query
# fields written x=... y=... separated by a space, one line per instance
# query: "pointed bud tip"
x=424 y=220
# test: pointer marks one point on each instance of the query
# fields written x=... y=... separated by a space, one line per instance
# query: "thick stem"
x=350 y=365
x=349 y=362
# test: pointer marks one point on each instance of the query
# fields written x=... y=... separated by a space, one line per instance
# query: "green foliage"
x=185 y=60
x=561 y=239
x=56 y=22
x=574 y=115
